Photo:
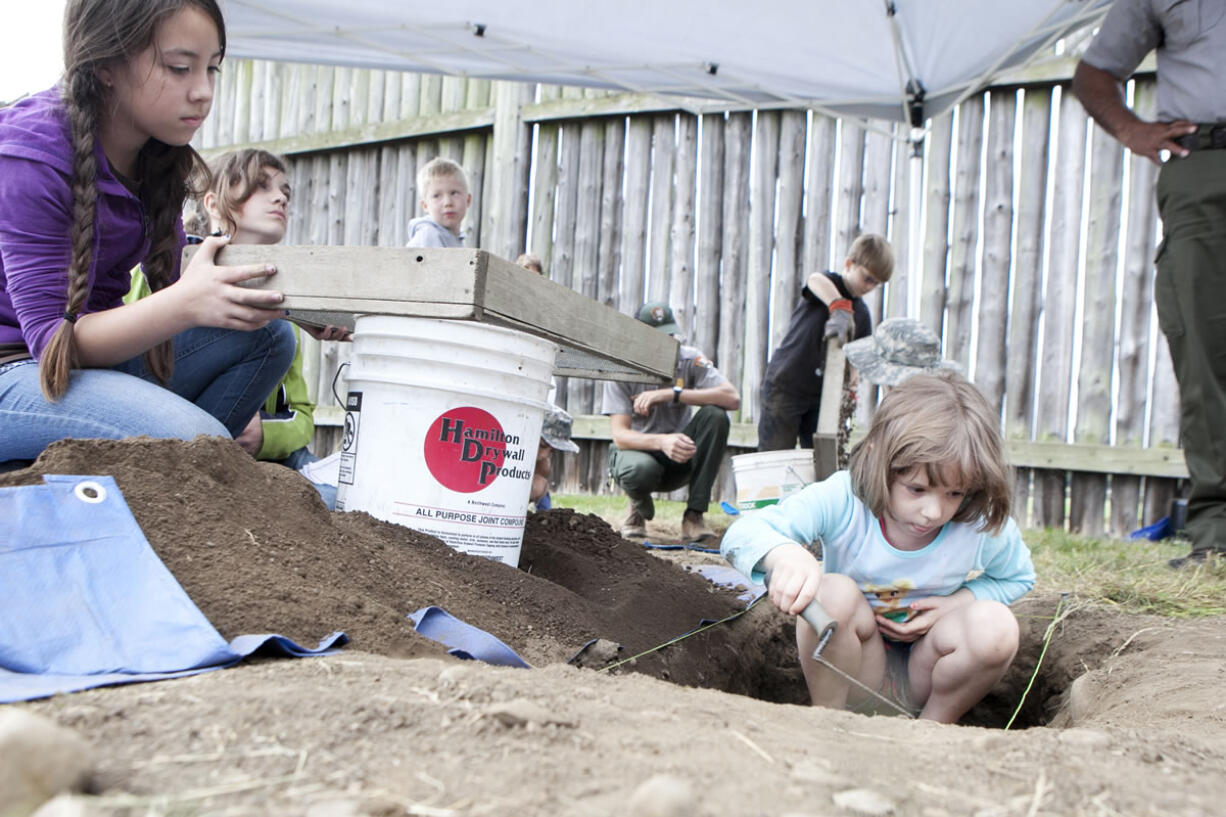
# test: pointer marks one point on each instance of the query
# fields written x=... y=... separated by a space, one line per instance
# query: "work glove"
x=840 y=326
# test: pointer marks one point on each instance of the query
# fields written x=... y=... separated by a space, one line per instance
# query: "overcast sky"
x=30 y=49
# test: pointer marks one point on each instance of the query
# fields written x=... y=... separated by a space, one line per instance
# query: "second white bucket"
x=765 y=478
x=442 y=422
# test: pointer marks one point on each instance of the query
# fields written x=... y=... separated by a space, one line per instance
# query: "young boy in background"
x=443 y=188
x=831 y=307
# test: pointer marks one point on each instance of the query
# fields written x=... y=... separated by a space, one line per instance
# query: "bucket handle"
x=336 y=377
x=798 y=477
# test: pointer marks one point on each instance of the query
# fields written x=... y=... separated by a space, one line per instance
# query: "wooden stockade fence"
x=1046 y=303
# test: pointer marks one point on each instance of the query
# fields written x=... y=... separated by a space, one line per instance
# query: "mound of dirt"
x=392 y=726
x=255 y=548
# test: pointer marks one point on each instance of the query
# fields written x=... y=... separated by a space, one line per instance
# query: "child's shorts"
x=896 y=685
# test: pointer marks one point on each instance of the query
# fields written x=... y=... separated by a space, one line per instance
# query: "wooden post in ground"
x=936 y=219
x=710 y=237
x=508 y=203
x=788 y=275
x=826 y=440
x=1088 y=492
x=815 y=255
x=761 y=246
x=1055 y=373
x=1022 y=356
x=634 y=222
x=990 y=360
x=737 y=137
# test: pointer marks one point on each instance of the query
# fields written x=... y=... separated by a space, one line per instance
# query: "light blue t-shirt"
x=854 y=545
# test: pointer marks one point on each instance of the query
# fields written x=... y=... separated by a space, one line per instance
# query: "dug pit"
x=367 y=732
x=256 y=550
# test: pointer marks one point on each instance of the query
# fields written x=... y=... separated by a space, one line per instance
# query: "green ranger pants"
x=1190 y=291
x=641 y=473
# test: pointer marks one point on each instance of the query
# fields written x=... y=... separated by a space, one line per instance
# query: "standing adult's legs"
x=708 y=428
x=1190 y=291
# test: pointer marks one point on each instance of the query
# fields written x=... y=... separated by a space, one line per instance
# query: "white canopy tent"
x=902 y=60
x=893 y=60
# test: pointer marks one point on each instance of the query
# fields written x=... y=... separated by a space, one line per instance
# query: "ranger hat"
x=556 y=430
x=659 y=315
x=899 y=348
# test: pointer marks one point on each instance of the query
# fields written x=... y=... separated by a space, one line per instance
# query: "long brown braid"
x=97 y=34
x=59 y=357
x=185 y=174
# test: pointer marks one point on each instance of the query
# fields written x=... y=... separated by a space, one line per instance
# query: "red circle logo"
x=465 y=448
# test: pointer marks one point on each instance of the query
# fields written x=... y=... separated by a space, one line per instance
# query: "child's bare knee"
x=992 y=632
x=840 y=595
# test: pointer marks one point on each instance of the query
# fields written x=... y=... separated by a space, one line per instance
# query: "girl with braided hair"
x=93 y=177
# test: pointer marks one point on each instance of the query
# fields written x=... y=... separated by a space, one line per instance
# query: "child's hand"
x=840 y=327
x=329 y=332
x=213 y=297
x=251 y=438
x=928 y=611
x=794 y=577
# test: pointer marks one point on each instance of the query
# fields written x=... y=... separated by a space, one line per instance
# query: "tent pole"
x=915 y=193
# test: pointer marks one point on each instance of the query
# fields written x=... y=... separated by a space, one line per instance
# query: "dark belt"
x=1207 y=137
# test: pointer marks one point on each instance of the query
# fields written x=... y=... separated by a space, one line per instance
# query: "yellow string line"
x=1051 y=630
x=658 y=647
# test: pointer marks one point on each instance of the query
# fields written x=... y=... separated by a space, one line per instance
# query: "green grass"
x=1131 y=576
x=612 y=508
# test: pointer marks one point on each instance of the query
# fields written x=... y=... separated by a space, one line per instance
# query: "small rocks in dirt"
x=864 y=801
x=67 y=805
x=991 y=742
x=38 y=760
x=662 y=795
x=452 y=675
x=343 y=807
x=596 y=654
x=523 y=713
x=1078 y=700
x=1090 y=738
x=807 y=772
x=335 y=808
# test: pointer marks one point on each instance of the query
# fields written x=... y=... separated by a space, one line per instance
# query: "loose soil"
x=1126 y=715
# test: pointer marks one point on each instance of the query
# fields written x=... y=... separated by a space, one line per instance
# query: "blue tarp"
x=85 y=602
x=465 y=640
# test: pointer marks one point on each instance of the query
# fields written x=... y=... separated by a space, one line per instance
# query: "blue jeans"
x=301 y=457
x=221 y=378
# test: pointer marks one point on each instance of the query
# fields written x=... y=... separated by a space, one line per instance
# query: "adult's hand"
x=645 y=401
x=677 y=447
x=1102 y=95
x=1149 y=139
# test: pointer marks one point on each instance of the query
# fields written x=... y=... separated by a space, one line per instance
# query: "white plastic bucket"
x=442 y=422
x=765 y=478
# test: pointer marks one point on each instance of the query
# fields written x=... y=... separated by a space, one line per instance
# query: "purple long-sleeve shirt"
x=36 y=221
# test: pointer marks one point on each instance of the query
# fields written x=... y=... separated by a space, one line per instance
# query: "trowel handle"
x=819 y=620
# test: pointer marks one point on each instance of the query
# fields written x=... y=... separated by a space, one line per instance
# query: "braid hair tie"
x=70 y=317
